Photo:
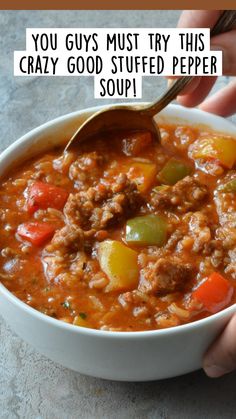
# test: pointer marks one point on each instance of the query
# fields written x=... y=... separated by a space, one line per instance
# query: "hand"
x=221 y=356
x=223 y=102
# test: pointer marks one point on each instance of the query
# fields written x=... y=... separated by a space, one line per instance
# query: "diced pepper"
x=228 y=187
x=120 y=264
x=35 y=232
x=136 y=142
x=173 y=171
x=81 y=320
x=42 y=195
x=142 y=173
x=214 y=293
x=148 y=230
x=217 y=148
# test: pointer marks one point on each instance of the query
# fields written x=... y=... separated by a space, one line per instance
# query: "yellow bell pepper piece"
x=142 y=173
x=120 y=264
x=218 y=148
x=81 y=321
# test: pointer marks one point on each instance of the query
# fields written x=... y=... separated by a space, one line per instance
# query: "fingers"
x=226 y=43
x=223 y=102
x=198 y=18
x=197 y=91
x=199 y=88
x=221 y=356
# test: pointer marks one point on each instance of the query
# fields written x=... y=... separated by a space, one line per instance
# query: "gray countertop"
x=32 y=386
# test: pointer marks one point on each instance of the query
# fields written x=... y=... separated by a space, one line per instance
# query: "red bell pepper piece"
x=214 y=293
x=35 y=232
x=42 y=195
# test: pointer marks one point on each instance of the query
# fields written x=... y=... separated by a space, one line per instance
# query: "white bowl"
x=127 y=356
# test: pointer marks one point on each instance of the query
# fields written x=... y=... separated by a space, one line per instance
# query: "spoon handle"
x=226 y=22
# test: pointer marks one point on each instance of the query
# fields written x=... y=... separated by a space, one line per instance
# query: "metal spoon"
x=138 y=117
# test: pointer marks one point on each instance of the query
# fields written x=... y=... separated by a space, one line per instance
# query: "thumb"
x=221 y=356
x=226 y=43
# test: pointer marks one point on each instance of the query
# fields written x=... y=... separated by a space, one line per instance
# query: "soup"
x=123 y=233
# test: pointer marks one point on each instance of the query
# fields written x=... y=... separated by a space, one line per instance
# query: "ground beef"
x=103 y=205
x=226 y=209
x=165 y=276
x=187 y=194
x=66 y=258
x=67 y=240
x=86 y=170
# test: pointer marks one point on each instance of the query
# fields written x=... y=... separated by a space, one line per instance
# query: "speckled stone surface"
x=32 y=386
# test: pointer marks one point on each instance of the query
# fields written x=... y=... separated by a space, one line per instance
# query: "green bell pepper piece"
x=229 y=186
x=173 y=171
x=147 y=230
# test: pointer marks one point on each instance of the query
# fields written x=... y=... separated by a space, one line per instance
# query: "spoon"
x=138 y=117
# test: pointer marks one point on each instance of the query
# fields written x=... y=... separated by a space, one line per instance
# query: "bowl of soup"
x=118 y=257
